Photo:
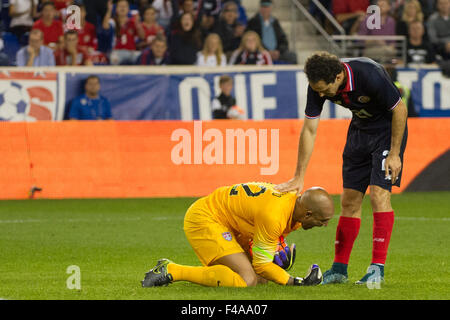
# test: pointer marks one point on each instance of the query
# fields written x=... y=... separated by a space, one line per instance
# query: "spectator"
x=50 y=27
x=251 y=51
x=87 y=36
x=90 y=105
x=209 y=10
x=438 y=27
x=270 y=31
x=419 y=49
x=70 y=54
x=242 y=14
x=196 y=8
x=212 y=53
x=35 y=54
x=350 y=14
x=412 y=11
x=165 y=12
x=228 y=28
x=185 y=42
x=150 y=26
x=126 y=31
x=380 y=50
x=22 y=13
x=156 y=55
x=224 y=105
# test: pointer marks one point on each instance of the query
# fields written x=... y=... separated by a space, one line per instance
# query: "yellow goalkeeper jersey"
x=256 y=211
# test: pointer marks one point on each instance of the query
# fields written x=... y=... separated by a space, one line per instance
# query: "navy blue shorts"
x=364 y=156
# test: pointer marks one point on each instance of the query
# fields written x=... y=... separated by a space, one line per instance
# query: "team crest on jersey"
x=227 y=236
x=363 y=99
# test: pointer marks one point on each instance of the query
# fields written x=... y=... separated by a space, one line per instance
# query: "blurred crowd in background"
x=143 y=32
x=202 y=32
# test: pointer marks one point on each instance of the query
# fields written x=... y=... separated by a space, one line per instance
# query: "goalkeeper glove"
x=285 y=256
x=313 y=277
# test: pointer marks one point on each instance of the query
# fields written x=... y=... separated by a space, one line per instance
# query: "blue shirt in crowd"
x=85 y=108
x=46 y=58
x=269 y=39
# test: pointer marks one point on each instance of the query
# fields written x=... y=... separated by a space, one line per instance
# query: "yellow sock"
x=213 y=276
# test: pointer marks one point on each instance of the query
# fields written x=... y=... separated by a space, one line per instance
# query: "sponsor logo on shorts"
x=227 y=236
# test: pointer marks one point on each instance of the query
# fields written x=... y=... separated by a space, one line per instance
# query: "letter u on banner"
x=204 y=98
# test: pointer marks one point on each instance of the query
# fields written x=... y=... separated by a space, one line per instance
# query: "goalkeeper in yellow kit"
x=235 y=232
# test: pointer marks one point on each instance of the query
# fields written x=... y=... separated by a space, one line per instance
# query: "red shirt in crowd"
x=87 y=37
x=127 y=36
x=152 y=31
x=52 y=32
x=64 y=58
x=345 y=6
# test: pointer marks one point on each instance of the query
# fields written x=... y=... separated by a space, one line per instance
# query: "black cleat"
x=158 y=276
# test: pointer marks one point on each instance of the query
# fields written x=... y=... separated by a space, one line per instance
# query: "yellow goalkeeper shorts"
x=209 y=238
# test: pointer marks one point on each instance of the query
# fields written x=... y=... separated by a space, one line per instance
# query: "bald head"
x=314 y=208
x=319 y=202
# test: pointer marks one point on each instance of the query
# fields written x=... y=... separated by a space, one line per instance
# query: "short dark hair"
x=92 y=76
x=159 y=38
x=323 y=66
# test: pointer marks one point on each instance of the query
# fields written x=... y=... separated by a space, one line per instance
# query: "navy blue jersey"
x=368 y=92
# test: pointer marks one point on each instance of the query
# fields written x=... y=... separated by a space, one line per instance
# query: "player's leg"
x=166 y=272
x=383 y=214
x=217 y=275
x=356 y=172
x=224 y=260
x=383 y=222
x=239 y=263
x=346 y=234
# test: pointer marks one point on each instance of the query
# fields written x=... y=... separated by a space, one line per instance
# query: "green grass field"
x=114 y=242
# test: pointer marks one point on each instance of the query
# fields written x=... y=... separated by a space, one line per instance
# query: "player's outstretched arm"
x=305 y=148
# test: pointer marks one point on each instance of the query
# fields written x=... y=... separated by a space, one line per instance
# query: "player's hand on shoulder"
x=295 y=184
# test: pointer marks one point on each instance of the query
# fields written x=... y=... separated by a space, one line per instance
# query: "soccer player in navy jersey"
x=372 y=156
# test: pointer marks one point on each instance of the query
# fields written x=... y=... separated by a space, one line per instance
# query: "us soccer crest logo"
x=227 y=236
x=27 y=96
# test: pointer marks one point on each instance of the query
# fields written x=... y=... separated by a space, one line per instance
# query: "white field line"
x=158 y=218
